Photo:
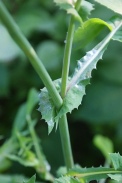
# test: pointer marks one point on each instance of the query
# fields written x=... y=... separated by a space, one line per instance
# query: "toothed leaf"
x=31 y=180
x=73 y=98
x=85 y=10
x=66 y=179
x=75 y=91
x=114 y=5
x=88 y=31
x=88 y=62
x=116 y=160
x=68 y=5
x=114 y=21
x=116 y=177
x=85 y=175
x=47 y=108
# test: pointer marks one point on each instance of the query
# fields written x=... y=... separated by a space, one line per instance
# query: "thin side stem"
x=35 y=142
x=63 y=125
x=67 y=51
x=19 y=38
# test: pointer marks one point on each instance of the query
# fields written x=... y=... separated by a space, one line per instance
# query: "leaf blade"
x=88 y=31
x=115 y=6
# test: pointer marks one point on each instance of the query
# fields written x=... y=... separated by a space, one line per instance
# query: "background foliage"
x=45 y=27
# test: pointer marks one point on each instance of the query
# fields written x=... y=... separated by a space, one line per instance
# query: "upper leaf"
x=69 y=6
x=31 y=180
x=116 y=160
x=88 y=31
x=88 y=62
x=114 y=5
x=85 y=10
x=114 y=21
x=104 y=144
x=76 y=86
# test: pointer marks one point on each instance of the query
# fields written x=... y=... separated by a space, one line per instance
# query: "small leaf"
x=68 y=5
x=67 y=179
x=47 y=108
x=104 y=144
x=116 y=160
x=114 y=21
x=31 y=180
x=88 y=31
x=85 y=10
x=114 y=5
x=116 y=177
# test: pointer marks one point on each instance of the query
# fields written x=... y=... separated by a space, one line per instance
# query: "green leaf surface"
x=67 y=179
x=114 y=5
x=116 y=159
x=88 y=31
x=104 y=144
x=114 y=21
x=116 y=177
x=31 y=180
x=69 y=7
x=5 y=178
x=75 y=91
x=85 y=10
x=85 y=175
x=88 y=62
x=72 y=100
x=47 y=108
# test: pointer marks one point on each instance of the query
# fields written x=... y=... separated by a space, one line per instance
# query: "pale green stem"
x=63 y=125
x=36 y=143
x=67 y=51
x=19 y=38
x=65 y=140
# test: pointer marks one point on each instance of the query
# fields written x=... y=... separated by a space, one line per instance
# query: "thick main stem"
x=65 y=140
x=30 y=53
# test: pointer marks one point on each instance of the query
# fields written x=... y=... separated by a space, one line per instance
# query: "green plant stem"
x=36 y=143
x=63 y=125
x=30 y=53
x=65 y=140
x=67 y=51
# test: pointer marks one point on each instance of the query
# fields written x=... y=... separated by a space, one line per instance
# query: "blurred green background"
x=45 y=27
